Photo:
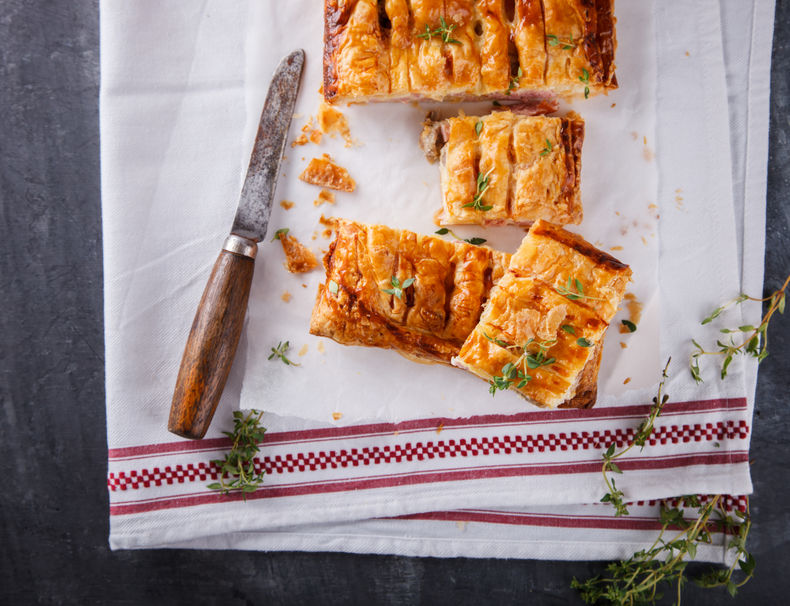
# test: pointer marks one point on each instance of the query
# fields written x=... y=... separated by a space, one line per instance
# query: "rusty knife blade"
x=255 y=203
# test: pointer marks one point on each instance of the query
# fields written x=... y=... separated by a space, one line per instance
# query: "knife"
x=216 y=329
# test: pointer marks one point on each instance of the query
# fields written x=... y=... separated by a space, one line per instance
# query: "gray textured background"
x=53 y=498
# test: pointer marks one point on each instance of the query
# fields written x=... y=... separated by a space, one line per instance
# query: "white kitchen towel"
x=174 y=77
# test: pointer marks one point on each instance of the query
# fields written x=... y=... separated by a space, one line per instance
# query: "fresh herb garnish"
x=629 y=325
x=547 y=150
x=565 y=42
x=755 y=343
x=278 y=353
x=482 y=187
x=332 y=286
x=569 y=329
x=478 y=127
x=615 y=496
x=443 y=31
x=574 y=290
x=585 y=77
x=283 y=231
x=519 y=370
x=476 y=241
x=582 y=342
x=398 y=288
x=237 y=469
x=514 y=80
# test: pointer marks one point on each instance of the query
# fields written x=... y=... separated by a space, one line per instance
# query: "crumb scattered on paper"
x=627 y=381
x=298 y=258
x=320 y=347
x=310 y=134
x=439 y=429
x=616 y=248
x=332 y=121
x=337 y=416
x=303 y=350
x=324 y=197
x=623 y=345
x=634 y=308
x=286 y=296
x=324 y=172
x=287 y=204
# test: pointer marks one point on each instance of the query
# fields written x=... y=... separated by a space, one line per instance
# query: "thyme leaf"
x=443 y=32
x=474 y=241
x=278 y=353
x=398 y=288
x=237 y=468
x=482 y=186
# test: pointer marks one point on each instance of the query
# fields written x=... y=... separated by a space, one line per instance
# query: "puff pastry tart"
x=526 y=50
x=546 y=316
x=507 y=168
x=427 y=319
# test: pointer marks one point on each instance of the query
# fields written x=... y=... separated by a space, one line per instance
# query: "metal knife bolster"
x=239 y=245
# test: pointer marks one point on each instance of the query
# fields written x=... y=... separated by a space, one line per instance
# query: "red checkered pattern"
x=420 y=451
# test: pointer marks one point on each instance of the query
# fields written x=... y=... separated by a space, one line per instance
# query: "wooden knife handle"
x=213 y=339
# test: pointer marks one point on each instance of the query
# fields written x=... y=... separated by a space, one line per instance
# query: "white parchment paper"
x=396 y=186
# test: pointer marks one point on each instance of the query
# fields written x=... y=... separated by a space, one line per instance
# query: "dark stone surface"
x=53 y=500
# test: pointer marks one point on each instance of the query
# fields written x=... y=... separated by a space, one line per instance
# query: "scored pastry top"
x=507 y=168
x=529 y=50
x=546 y=316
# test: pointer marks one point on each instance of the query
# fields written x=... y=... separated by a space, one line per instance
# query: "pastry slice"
x=546 y=317
x=426 y=320
x=507 y=168
x=530 y=51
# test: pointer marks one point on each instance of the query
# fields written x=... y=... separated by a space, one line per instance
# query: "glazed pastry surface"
x=518 y=168
x=433 y=317
x=528 y=50
x=558 y=295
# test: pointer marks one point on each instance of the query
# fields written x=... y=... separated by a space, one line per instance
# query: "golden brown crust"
x=558 y=295
x=382 y=50
x=298 y=258
x=431 y=320
x=532 y=165
x=325 y=173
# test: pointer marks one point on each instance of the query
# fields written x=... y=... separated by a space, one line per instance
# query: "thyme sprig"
x=637 y=579
x=755 y=343
x=278 y=353
x=475 y=241
x=615 y=496
x=564 y=42
x=547 y=150
x=398 y=288
x=585 y=77
x=443 y=31
x=529 y=358
x=574 y=290
x=482 y=186
x=514 y=80
x=237 y=468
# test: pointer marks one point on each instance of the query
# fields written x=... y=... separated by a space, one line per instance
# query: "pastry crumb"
x=310 y=134
x=634 y=308
x=324 y=196
x=304 y=285
x=627 y=381
x=332 y=121
x=320 y=347
x=613 y=104
x=286 y=296
x=303 y=350
x=327 y=233
x=324 y=172
x=298 y=258
x=440 y=428
x=337 y=416
x=623 y=345
x=287 y=204
x=616 y=248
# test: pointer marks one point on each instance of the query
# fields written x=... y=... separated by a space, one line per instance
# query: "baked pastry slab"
x=433 y=317
x=507 y=168
x=528 y=50
x=547 y=316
